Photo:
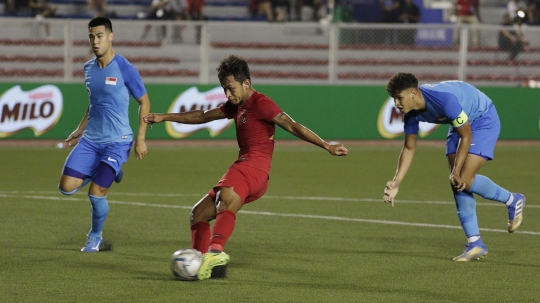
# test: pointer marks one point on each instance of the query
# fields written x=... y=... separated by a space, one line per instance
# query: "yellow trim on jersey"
x=460 y=120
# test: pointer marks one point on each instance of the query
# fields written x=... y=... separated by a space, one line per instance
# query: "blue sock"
x=466 y=208
x=100 y=210
x=487 y=189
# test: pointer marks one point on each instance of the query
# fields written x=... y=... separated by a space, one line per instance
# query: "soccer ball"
x=185 y=264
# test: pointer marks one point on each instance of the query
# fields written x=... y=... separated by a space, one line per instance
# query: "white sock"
x=473 y=239
x=510 y=200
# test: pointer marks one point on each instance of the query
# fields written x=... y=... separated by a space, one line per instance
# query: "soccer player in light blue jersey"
x=104 y=137
x=473 y=132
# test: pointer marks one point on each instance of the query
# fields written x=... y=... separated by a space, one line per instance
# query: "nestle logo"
x=213 y=97
x=38 y=109
x=40 y=95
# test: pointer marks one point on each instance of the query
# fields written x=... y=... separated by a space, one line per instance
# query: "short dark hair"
x=98 y=21
x=400 y=82
x=233 y=65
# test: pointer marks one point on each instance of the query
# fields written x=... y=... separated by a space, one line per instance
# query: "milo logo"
x=38 y=109
x=390 y=122
x=192 y=99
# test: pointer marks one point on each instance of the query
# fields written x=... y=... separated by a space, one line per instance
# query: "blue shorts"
x=86 y=156
x=485 y=132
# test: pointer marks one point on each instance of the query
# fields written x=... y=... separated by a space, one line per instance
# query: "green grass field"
x=320 y=234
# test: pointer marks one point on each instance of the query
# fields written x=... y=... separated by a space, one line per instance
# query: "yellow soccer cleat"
x=209 y=261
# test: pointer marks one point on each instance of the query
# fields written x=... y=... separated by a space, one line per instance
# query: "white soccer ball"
x=185 y=264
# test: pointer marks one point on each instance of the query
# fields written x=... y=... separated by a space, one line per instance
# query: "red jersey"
x=255 y=130
x=467 y=7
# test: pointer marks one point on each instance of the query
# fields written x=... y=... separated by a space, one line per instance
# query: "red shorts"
x=248 y=182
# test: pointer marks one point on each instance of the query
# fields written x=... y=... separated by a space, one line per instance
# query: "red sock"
x=200 y=236
x=223 y=228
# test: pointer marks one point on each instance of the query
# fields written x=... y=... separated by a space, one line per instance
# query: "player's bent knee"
x=202 y=214
x=67 y=192
x=228 y=200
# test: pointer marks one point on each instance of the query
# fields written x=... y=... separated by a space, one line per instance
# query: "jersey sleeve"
x=267 y=109
x=452 y=109
x=410 y=125
x=133 y=80
x=228 y=109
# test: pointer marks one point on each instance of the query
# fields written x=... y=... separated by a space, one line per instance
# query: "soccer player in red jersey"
x=246 y=180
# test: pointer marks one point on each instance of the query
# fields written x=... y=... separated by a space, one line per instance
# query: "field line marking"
x=336 y=199
x=303 y=216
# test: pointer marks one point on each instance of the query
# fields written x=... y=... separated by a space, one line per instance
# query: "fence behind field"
x=278 y=53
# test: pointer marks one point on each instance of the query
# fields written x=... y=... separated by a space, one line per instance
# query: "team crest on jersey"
x=244 y=118
x=110 y=80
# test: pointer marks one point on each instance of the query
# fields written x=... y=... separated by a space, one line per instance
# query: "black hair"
x=233 y=65
x=99 y=21
x=400 y=82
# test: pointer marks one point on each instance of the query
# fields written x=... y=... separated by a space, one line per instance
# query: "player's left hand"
x=338 y=150
x=390 y=192
x=73 y=138
x=140 y=149
x=456 y=181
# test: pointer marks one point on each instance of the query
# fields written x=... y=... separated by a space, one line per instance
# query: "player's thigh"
x=112 y=157
x=69 y=184
x=470 y=168
x=116 y=154
x=84 y=158
x=247 y=182
x=228 y=199
x=80 y=164
x=102 y=180
x=258 y=183
x=485 y=132
x=482 y=144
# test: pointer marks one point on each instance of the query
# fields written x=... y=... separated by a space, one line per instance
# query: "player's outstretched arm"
x=74 y=137
x=405 y=159
x=287 y=123
x=191 y=117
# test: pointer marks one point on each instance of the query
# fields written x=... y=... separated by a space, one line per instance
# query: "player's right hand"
x=73 y=138
x=390 y=192
x=338 y=150
x=152 y=118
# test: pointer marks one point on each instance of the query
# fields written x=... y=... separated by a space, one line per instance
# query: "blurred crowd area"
x=362 y=11
x=284 y=41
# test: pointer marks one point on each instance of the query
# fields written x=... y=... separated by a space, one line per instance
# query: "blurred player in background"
x=43 y=9
x=473 y=132
x=255 y=117
x=104 y=137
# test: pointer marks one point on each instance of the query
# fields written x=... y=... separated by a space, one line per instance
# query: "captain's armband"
x=460 y=120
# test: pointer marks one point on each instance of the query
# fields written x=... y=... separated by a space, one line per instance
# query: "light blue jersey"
x=109 y=89
x=444 y=103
